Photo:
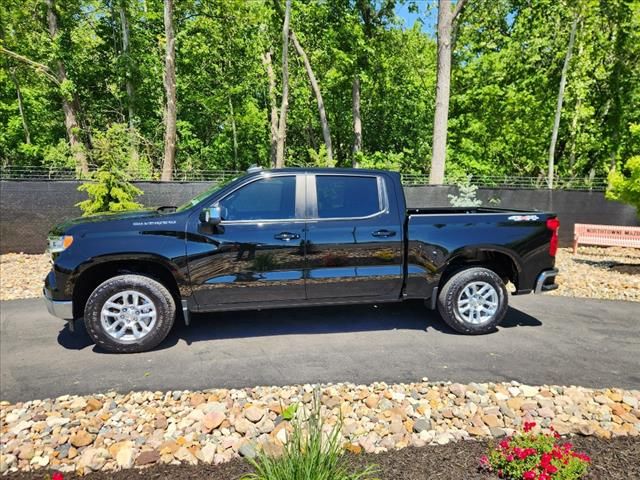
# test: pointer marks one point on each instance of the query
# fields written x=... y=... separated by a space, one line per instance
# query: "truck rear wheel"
x=129 y=313
x=473 y=301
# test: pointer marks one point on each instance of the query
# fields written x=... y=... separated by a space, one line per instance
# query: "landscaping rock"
x=247 y=450
x=254 y=414
x=115 y=431
x=421 y=424
x=212 y=421
x=81 y=439
x=147 y=457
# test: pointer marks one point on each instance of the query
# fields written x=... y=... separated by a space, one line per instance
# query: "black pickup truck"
x=293 y=237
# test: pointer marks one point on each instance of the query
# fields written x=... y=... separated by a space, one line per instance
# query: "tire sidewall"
x=448 y=300
x=154 y=290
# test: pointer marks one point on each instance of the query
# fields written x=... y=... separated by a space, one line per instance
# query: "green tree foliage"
x=624 y=185
x=507 y=61
x=110 y=190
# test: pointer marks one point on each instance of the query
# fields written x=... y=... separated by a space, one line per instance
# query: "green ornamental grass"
x=310 y=453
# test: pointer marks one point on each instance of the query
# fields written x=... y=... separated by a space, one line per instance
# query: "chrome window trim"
x=383 y=199
x=298 y=197
x=312 y=197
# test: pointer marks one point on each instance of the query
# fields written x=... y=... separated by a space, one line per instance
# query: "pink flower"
x=550 y=469
x=57 y=476
x=528 y=426
x=582 y=456
x=529 y=475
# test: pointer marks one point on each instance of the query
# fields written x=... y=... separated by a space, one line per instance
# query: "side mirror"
x=211 y=215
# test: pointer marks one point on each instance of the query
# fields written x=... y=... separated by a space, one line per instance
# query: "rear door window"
x=342 y=196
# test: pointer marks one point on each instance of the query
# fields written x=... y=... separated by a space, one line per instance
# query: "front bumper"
x=546 y=281
x=57 y=308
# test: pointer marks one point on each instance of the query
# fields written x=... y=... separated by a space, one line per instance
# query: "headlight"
x=59 y=244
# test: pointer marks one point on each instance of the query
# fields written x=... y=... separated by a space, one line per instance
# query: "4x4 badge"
x=523 y=218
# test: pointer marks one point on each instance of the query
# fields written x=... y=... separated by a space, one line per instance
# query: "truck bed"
x=439 y=237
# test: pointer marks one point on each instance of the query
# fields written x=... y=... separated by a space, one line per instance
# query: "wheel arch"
x=501 y=261
x=87 y=279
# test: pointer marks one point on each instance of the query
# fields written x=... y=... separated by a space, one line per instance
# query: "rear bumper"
x=57 y=308
x=546 y=281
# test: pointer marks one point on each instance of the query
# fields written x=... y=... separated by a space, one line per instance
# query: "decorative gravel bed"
x=22 y=275
x=595 y=272
x=611 y=273
x=119 y=431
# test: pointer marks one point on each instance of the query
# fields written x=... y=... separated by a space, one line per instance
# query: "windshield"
x=209 y=191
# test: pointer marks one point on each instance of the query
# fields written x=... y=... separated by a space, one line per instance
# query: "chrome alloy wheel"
x=128 y=316
x=478 y=302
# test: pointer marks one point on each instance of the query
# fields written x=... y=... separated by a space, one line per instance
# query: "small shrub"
x=626 y=188
x=58 y=157
x=109 y=189
x=312 y=452
x=624 y=184
x=466 y=194
x=535 y=456
x=320 y=158
x=109 y=192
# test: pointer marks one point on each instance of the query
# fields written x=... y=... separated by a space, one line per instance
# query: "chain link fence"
x=10 y=172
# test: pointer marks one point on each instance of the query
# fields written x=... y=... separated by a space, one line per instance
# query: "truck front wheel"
x=473 y=301
x=129 y=313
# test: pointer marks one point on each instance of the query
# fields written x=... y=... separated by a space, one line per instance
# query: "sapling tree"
x=466 y=195
x=109 y=189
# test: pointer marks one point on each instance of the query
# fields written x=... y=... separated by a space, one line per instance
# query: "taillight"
x=553 y=224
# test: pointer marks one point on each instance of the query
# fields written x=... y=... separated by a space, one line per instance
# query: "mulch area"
x=611 y=459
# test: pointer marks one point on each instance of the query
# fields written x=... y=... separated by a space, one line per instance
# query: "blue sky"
x=427 y=12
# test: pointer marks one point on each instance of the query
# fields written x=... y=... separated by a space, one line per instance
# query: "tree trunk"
x=25 y=125
x=68 y=104
x=574 y=134
x=357 y=120
x=326 y=132
x=615 y=102
x=133 y=138
x=170 y=93
x=235 y=135
x=446 y=24
x=556 y=120
x=282 y=123
x=274 y=108
x=443 y=85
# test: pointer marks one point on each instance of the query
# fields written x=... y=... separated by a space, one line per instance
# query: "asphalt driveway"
x=544 y=340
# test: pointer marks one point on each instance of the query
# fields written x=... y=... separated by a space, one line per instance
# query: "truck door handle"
x=286 y=236
x=384 y=233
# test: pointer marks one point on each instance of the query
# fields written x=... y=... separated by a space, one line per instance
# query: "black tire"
x=452 y=292
x=159 y=296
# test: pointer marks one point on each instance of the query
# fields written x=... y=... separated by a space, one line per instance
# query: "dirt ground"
x=611 y=459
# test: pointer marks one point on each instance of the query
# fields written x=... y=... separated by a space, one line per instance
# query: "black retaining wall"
x=28 y=209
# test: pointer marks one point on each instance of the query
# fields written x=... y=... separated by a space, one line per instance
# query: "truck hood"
x=146 y=214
